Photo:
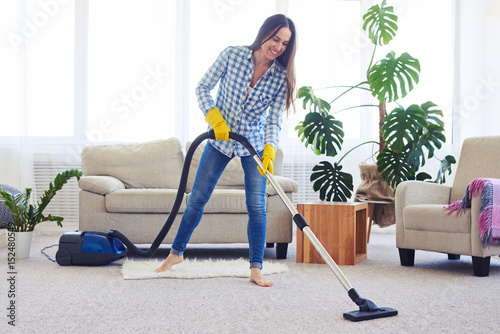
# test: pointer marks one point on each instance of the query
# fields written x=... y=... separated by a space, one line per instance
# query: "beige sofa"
x=421 y=222
x=131 y=188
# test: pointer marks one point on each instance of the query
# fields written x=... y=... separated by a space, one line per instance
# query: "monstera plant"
x=407 y=135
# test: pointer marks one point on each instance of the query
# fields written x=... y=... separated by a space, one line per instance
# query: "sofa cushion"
x=142 y=201
x=156 y=164
x=432 y=217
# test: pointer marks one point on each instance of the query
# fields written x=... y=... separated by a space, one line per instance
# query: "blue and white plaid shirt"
x=257 y=117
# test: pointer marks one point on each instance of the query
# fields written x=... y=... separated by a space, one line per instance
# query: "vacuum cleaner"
x=89 y=248
x=95 y=248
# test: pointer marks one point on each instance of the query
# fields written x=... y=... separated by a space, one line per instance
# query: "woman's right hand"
x=216 y=121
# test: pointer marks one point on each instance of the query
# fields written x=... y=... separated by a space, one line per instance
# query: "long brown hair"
x=268 y=29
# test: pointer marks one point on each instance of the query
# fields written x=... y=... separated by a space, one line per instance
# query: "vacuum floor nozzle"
x=368 y=315
x=367 y=309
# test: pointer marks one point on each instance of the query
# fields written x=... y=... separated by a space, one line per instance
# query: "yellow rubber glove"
x=267 y=160
x=215 y=120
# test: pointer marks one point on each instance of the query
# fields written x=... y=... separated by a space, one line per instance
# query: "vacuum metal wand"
x=367 y=309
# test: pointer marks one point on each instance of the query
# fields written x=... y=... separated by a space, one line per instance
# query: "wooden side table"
x=339 y=226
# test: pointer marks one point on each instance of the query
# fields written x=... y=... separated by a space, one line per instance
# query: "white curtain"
x=478 y=80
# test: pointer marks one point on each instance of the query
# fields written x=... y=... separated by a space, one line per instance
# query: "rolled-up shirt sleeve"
x=209 y=80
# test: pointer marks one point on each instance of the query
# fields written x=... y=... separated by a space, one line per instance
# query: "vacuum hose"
x=180 y=195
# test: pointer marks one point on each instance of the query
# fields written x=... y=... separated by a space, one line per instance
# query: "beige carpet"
x=196 y=269
x=435 y=296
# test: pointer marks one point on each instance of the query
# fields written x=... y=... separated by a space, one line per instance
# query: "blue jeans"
x=210 y=168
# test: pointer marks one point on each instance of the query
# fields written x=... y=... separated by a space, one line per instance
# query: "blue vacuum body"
x=88 y=249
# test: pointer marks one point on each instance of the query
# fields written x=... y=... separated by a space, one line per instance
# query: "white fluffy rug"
x=196 y=269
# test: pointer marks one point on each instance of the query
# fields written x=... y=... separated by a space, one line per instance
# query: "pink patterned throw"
x=489 y=211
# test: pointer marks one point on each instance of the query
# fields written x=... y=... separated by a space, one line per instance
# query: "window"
x=11 y=80
x=37 y=68
x=131 y=61
x=143 y=60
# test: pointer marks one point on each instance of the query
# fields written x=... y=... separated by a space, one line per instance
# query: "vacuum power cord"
x=47 y=255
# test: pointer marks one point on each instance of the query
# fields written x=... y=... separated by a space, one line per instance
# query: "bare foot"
x=171 y=261
x=257 y=278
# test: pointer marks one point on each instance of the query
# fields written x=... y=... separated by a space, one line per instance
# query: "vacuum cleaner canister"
x=88 y=249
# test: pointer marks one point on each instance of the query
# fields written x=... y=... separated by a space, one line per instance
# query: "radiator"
x=65 y=202
x=301 y=173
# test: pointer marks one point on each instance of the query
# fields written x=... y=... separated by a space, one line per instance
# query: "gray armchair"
x=423 y=224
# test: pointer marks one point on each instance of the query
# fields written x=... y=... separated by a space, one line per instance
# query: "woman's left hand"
x=267 y=160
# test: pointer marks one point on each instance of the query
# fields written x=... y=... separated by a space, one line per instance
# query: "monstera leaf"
x=445 y=166
x=323 y=132
x=422 y=176
x=391 y=76
x=331 y=182
x=394 y=167
x=431 y=137
x=381 y=23
x=316 y=104
x=403 y=126
x=433 y=113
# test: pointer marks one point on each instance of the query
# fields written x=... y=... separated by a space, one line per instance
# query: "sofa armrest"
x=418 y=192
x=100 y=184
x=288 y=185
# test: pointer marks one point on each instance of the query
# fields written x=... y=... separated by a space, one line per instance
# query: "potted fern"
x=25 y=216
x=407 y=135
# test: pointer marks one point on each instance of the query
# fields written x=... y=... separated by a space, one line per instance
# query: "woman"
x=256 y=85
